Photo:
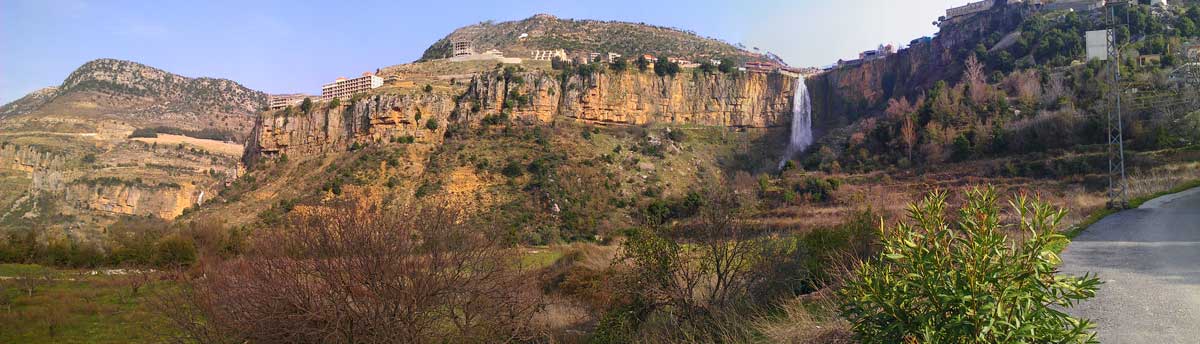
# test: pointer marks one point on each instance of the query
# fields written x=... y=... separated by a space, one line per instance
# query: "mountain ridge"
x=547 y=32
x=176 y=92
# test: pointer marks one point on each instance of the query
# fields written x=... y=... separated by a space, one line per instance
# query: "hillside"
x=118 y=138
x=148 y=97
x=546 y=32
x=620 y=191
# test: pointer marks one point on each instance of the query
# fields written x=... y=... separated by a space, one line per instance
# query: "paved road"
x=1149 y=259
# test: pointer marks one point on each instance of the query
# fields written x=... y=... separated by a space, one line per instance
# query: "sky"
x=297 y=45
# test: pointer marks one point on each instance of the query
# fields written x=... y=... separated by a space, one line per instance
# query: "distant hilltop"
x=546 y=33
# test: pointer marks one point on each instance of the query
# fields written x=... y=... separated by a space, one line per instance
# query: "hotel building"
x=345 y=88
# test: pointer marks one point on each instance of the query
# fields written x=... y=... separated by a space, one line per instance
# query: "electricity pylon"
x=1118 y=184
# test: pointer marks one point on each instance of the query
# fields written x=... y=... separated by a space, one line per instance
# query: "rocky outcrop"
x=757 y=100
x=747 y=100
x=163 y=201
x=51 y=174
x=47 y=171
x=173 y=92
x=381 y=118
x=848 y=93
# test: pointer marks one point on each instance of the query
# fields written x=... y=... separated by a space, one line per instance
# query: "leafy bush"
x=431 y=124
x=175 y=251
x=306 y=105
x=963 y=282
x=642 y=63
x=512 y=170
x=665 y=67
x=727 y=66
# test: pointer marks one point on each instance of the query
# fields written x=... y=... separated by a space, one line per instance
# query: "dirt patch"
x=212 y=146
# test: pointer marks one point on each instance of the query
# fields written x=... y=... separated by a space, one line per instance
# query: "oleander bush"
x=966 y=280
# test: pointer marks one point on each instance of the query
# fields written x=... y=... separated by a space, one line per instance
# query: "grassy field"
x=72 y=306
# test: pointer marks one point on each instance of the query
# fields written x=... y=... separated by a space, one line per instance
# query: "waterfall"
x=801 y=122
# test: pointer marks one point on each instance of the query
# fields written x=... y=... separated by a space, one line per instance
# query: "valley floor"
x=74 y=306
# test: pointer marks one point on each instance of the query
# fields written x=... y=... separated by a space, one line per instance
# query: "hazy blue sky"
x=295 y=46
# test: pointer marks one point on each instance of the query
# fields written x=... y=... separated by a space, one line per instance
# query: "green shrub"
x=431 y=124
x=306 y=105
x=428 y=88
x=965 y=281
x=143 y=133
x=175 y=251
x=512 y=170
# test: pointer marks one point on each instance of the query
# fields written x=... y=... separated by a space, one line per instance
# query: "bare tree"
x=908 y=134
x=712 y=266
x=976 y=80
x=356 y=273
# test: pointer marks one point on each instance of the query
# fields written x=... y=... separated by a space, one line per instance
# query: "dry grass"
x=806 y=321
x=1162 y=179
x=212 y=146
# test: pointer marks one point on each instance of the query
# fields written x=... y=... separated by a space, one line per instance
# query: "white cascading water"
x=801 y=122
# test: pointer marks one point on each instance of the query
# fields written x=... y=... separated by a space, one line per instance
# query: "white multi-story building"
x=547 y=55
x=279 y=101
x=344 y=88
x=613 y=57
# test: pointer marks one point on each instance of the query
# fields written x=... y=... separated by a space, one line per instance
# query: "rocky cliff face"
x=846 y=94
x=749 y=100
x=46 y=170
x=756 y=100
x=51 y=174
x=380 y=118
x=163 y=201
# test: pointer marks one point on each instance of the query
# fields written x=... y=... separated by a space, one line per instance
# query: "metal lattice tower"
x=1118 y=185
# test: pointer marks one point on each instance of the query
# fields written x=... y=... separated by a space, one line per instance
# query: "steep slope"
x=848 y=93
x=73 y=152
x=744 y=100
x=516 y=142
x=544 y=31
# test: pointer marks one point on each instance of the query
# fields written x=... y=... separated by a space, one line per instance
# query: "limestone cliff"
x=850 y=92
x=163 y=201
x=51 y=174
x=381 y=118
x=755 y=100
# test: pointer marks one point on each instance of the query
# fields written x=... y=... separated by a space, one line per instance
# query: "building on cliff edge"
x=343 y=88
x=548 y=55
x=279 y=101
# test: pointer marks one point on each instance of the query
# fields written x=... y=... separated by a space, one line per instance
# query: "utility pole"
x=1118 y=184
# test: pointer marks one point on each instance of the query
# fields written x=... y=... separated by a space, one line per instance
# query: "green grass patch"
x=87 y=309
x=540 y=258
